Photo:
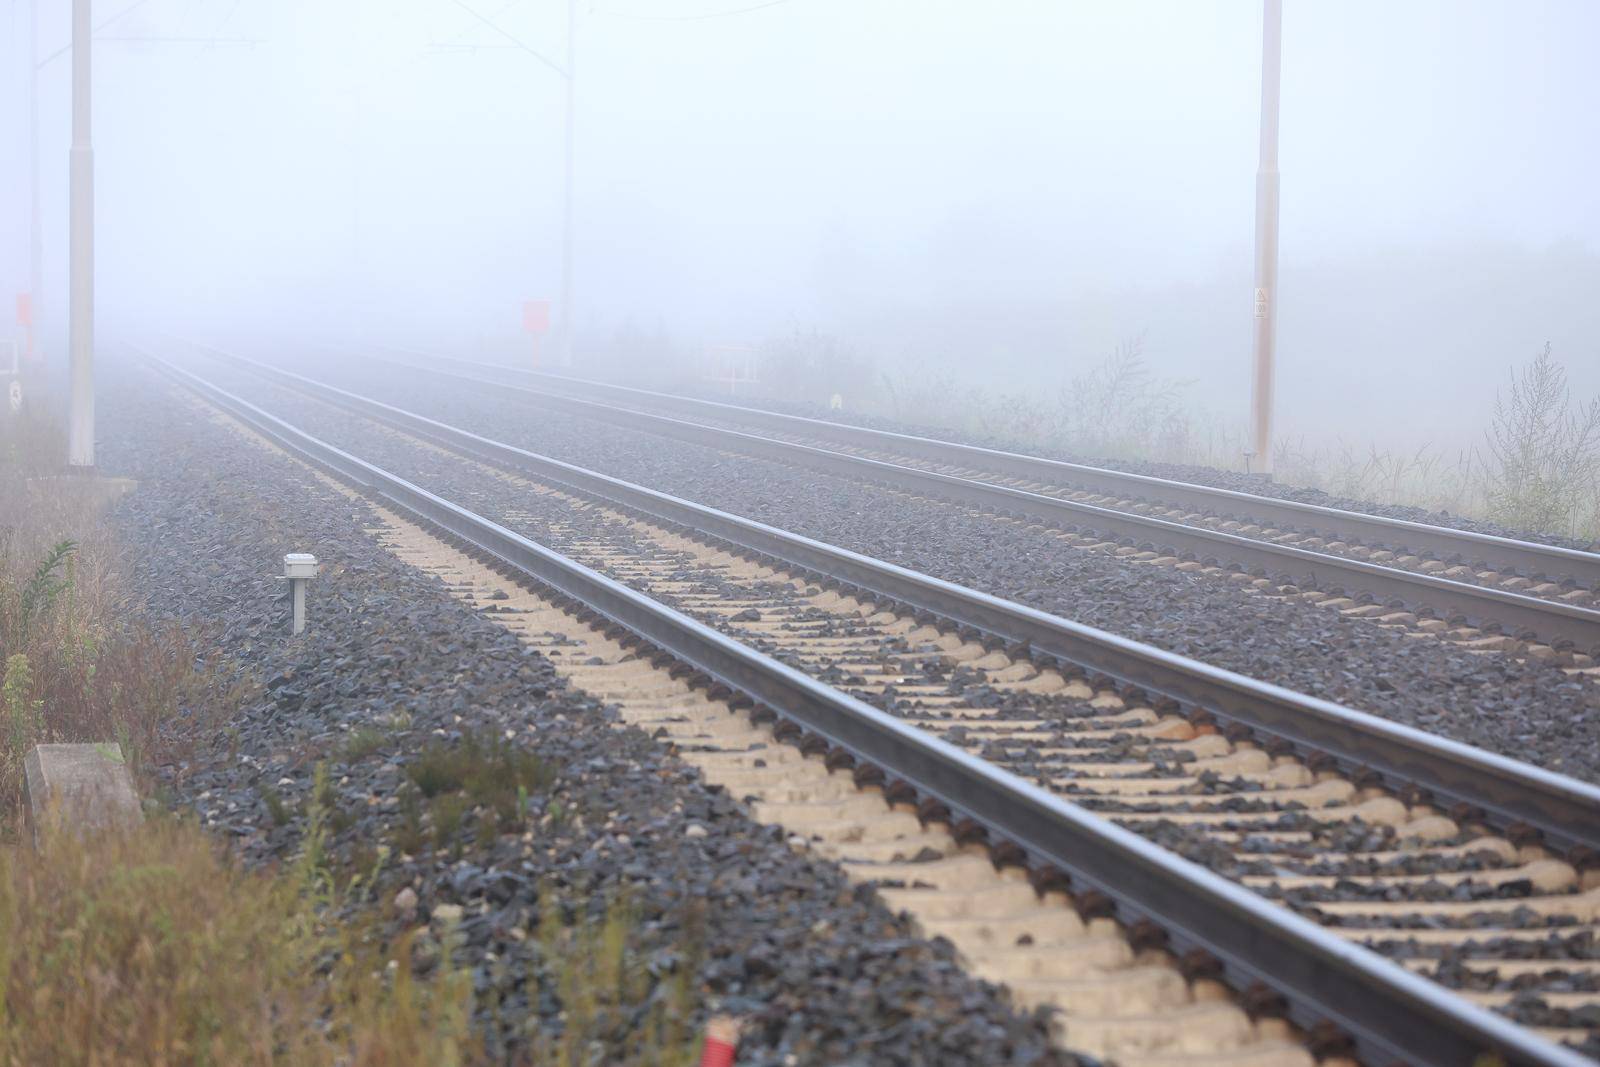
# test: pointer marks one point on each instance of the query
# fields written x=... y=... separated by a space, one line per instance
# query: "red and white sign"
x=536 y=316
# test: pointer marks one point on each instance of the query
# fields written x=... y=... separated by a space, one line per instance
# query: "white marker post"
x=10 y=371
x=299 y=568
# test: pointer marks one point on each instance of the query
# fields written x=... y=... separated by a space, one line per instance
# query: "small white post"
x=299 y=568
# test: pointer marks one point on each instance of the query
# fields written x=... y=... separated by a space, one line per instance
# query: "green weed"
x=363 y=742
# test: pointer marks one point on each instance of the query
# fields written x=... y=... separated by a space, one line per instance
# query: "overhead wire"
x=118 y=17
x=502 y=31
x=692 y=18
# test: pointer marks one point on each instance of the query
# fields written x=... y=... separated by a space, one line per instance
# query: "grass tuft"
x=482 y=775
x=485 y=766
x=363 y=742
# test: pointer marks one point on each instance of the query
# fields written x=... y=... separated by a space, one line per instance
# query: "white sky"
x=1003 y=184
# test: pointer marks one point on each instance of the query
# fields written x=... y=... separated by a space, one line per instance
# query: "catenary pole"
x=80 y=416
x=35 y=222
x=1266 y=276
x=564 y=354
x=568 y=72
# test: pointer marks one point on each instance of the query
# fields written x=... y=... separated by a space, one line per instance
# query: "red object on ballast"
x=722 y=1040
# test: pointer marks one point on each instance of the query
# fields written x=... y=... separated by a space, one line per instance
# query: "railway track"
x=1459 y=865
x=1492 y=593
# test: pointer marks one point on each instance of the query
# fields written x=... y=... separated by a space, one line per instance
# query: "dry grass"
x=1423 y=478
x=614 y=998
x=153 y=947
x=1538 y=470
x=78 y=663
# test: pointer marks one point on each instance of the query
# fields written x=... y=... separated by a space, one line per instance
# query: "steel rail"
x=1529 y=558
x=1489 y=608
x=1508 y=792
x=1392 y=1014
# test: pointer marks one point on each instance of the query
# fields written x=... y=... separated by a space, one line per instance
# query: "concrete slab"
x=83 y=787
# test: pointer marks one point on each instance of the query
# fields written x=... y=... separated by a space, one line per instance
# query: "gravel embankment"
x=472 y=484
x=1522 y=709
x=823 y=972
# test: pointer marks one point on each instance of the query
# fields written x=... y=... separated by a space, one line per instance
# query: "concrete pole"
x=564 y=346
x=1266 y=295
x=80 y=416
x=35 y=221
x=299 y=568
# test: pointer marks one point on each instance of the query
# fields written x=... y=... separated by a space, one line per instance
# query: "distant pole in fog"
x=568 y=71
x=1266 y=295
x=564 y=347
x=35 y=221
x=80 y=416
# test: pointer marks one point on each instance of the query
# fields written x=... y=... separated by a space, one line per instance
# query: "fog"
x=1006 y=190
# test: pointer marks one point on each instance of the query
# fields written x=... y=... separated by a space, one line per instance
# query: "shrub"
x=812 y=366
x=1543 y=468
x=1120 y=408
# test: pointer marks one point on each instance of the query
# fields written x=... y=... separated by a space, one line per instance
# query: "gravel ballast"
x=556 y=523
x=821 y=971
x=1216 y=477
x=1519 y=708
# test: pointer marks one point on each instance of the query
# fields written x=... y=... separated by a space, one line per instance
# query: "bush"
x=1121 y=408
x=811 y=366
x=1543 y=467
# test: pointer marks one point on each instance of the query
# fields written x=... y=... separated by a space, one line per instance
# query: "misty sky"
x=1001 y=186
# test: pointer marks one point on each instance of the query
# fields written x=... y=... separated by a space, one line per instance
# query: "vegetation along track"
x=1429 y=851
x=1493 y=593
